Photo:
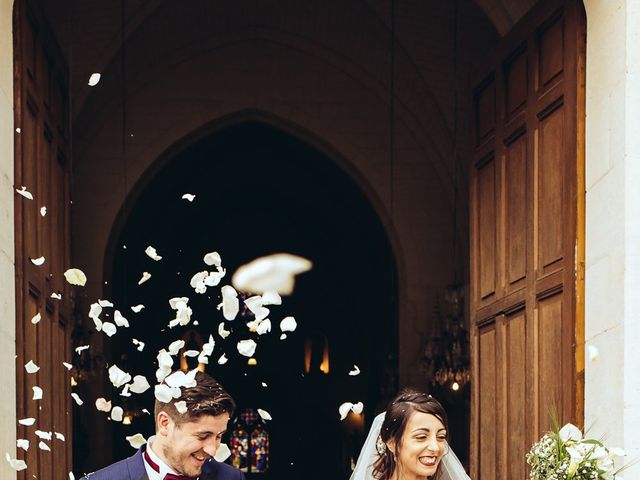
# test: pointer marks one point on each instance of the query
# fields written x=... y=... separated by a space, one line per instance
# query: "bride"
x=409 y=442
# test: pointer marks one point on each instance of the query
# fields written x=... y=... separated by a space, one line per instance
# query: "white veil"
x=450 y=466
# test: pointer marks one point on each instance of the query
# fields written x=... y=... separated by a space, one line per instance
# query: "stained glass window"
x=249 y=443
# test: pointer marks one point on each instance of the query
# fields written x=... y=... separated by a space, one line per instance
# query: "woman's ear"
x=164 y=423
x=391 y=446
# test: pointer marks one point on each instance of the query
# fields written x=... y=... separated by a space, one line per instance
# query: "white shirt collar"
x=164 y=468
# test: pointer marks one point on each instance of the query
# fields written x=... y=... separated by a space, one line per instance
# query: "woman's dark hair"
x=395 y=422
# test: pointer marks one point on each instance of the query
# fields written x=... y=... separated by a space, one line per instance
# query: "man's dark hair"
x=208 y=397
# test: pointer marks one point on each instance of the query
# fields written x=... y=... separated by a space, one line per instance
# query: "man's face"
x=186 y=447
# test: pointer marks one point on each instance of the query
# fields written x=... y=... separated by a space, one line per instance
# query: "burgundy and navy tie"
x=168 y=476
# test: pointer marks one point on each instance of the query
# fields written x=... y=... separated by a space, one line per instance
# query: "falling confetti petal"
x=43 y=435
x=355 y=371
x=36 y=318
x=140 y=345
x=57 y=296
x=176 y=346
x=77 y=398
x=116 y=414
x=95 y=310
x=230 y=302
x=271 y=298
x=137 y=308
x=247 y=347
x=75 y=276
x=60 y=437
x=119 y=319
x=191 y=353
x=43 y=211
x=105 y=303
x=145 y=276
x=357 y=408
x=125 y=391
x=94 y=79
x=593 y=352
x=344 y=409
x=31 y=367
x=283 y=336
x=23 y=444
x=43 y=446
x=140 y=384
x=181 y=406
x=37 y=393
x=23 y=191
x=163 y=393
x=288 y=324
x=109 y=328
x=27 y=421
x=223 y=359
x=38 y=262
x=136 y=441
x=264 y=327
x=264 y=414
x=151 y=253
x=222 y=453
x=222 y=332
x=81 y=348
x=16 y=464
x=118 y=377
x=103 y=405
x=213 y=258
x=188 y=196
x=274 y=273
x=67 y=365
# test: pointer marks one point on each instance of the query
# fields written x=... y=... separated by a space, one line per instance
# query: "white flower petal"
x=151 y=253
x=162 y=393
x=246 y=347
x=283 y=336
x=176 y=346
x=37 y=393
x=77 y=399
x=288 y=324
x=119 y=319
x=117 y=414
x=38 y=262
x=262 y=313
x=24 y=192
x=43 y=435
x=177 y=303
x=43 y=211
x=164 y=359
x=67 y=365
x=222 y=453
x=230 y=302
x=44 y=446
x=570 y=432
x=36 y=318
x=95 y=310
x=138 y=308
x=98 y=323
x=213 y=258
x=593 y=352
x=27 y=421
x=105 y=303
x=94 y=79
x=181 y=406
x=109 y=328
x=222 y=332
x=344 y=409
x=60 y=437
x=264 y=327
x=191 y=353
x=254 y=303
x=264 y=415
x=271 y=298
x=23 y=444
x=145 y=276
x=81 y=348
x=56 y=295
x=136 y=441
x=188 y=196
x=118 y=377
x=207 y=348
x=140 y=384
x=274 y=273
x=75 y=276
x=31 y=367
x=103 y=405
x=355 y=371
x=17 y=465
x=357 y=408
x=223 y=359
x=140 y=345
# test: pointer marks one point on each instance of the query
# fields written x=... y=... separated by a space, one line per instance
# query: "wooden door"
x=527 y=238
x=42 y=166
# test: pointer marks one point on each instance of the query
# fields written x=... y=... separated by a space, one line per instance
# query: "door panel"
x=526 y=235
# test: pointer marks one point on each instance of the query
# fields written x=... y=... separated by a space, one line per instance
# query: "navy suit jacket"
x=132 y=468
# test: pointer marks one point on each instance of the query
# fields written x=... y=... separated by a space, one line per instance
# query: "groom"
x=184 y=444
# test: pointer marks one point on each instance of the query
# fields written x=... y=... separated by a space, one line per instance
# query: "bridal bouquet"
x=565 y=455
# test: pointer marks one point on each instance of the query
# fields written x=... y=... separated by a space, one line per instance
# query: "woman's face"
x=423 y=445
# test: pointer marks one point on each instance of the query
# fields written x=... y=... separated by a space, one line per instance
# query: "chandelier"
x=446 y=358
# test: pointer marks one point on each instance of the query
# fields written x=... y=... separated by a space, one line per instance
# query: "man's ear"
x=164 y=424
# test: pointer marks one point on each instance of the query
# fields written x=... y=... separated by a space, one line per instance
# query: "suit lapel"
x=135 y=465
